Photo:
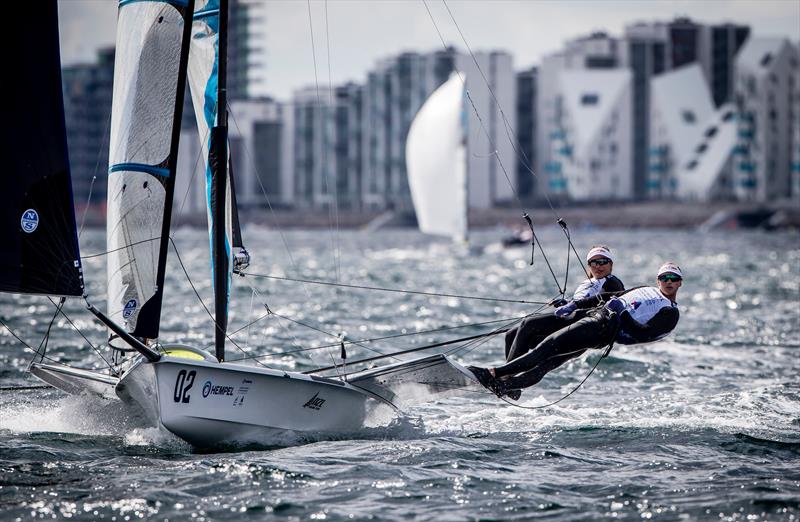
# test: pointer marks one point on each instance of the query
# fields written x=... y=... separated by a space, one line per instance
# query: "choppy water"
x=703 y=425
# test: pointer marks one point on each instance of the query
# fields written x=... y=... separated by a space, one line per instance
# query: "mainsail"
x=207 y=68
x=40 y=252
x=149 y=81
x=436 y=161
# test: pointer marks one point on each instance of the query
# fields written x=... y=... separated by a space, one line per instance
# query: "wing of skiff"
x=418 y=381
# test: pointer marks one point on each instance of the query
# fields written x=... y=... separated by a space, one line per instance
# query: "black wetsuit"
x=532 y=330
x=596 y=329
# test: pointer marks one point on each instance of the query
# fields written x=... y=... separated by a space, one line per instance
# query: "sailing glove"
x=616 y=305
x=566 y=310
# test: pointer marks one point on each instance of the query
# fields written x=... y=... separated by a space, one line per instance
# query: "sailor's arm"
x=597 y=300
x=613 y=284
x=659 y=325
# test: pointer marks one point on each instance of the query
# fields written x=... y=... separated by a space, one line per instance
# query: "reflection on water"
x=703 y=424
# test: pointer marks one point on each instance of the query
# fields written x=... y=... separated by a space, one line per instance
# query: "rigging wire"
x=75 y=327
x=103 y=146
x=323 y=136
x=393 y=336
x=397 y=290
x=196 y=293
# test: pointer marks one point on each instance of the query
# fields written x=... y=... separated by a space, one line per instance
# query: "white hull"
x=207 y=403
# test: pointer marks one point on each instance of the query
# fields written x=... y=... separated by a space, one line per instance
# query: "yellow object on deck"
x=183 y=354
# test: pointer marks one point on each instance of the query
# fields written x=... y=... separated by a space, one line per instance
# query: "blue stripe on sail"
x=139 y=167
x=180 y=3
x=206 y=13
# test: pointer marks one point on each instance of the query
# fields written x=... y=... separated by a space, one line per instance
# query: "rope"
x=196 y=293
x=417 y=292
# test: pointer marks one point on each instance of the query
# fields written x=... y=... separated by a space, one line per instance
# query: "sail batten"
x=39 y=254
x=149 y=79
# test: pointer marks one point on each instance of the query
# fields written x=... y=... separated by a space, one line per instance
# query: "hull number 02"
x=183 y=384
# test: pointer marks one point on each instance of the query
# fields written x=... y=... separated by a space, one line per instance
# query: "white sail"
x=436 y=162
x=146 y=82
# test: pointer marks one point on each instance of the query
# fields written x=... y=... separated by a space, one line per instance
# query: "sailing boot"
x=485 y=378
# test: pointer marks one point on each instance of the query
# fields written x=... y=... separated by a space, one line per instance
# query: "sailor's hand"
x=566 y=310
x=616 y=305
x=558 y=301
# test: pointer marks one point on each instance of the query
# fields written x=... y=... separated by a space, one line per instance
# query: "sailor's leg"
x=568 y=342
x=529 y=378
x=510 y=336
x=533 y=331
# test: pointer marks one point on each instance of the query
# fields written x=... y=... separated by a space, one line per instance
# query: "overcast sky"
x=360 y=32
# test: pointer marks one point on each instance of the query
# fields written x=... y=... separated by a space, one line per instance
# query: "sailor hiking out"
x=640 y=315
x=533 y=329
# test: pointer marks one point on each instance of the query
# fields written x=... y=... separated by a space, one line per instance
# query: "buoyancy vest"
x=590 y=288
x=645 y=302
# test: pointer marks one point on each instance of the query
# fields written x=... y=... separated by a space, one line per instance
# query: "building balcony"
x=552 y=167
x=745 y=133
x=747 y=166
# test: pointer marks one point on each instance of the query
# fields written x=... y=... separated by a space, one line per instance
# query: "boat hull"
x=209 y=404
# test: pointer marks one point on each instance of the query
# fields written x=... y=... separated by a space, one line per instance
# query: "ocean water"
x=702 y=425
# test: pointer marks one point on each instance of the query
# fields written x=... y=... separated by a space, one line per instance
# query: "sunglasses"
x=599 y=262
x=669 y=277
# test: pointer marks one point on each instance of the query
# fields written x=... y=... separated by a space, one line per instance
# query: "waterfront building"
x=527 y=123
x=765 y=95
x=590 y=160
x=87 y=110
x=396 y=89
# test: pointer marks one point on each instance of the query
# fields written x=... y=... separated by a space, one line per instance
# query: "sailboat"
x=189 y=391
x=436 y=161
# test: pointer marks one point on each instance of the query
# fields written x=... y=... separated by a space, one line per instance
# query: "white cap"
x=670 y=268
x=599 y=251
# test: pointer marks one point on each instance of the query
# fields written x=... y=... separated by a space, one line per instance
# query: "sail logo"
x=210 y=389
x=129 y=308
x=29 y=221
x=315 y=402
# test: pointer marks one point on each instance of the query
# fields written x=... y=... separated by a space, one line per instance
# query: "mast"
x=219 y=163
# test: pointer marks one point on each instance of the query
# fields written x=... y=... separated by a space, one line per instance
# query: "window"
x=688 y=116
x=590 y=99
x=766 y=59
x=710 y=132
x=691 y=165
x=727 y=116
x=701 y=148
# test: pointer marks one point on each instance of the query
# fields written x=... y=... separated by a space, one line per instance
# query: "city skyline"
x=88 y=25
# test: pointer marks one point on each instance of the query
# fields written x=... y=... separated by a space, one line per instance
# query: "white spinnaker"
x=436 y=162
x=146 y=67
x=203 y=80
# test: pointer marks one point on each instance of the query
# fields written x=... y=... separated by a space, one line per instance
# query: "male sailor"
x=533 y=329
x=640 y=315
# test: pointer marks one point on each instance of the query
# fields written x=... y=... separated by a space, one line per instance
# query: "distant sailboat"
x=436 y=161
x=190 y=392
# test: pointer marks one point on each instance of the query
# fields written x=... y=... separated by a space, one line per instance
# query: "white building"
x=765 y=93
x=595 y=51
x=691 y=142
x=590 y=153
x=394 y=92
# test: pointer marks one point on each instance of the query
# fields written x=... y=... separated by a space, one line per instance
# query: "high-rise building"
x=87 y=108
x=765 y=98
x=526 y=133
x=596 y=51
x=589 y=158
x=398 y=87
